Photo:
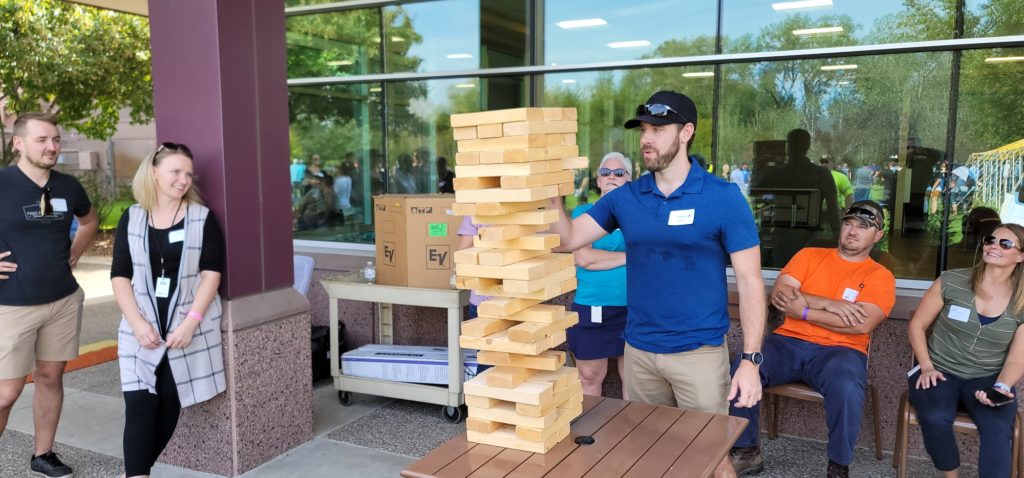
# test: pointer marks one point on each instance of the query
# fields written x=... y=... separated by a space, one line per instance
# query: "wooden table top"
x=630 y=439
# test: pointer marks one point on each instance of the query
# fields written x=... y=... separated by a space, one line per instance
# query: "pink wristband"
x=803 y=316
x=195 y=315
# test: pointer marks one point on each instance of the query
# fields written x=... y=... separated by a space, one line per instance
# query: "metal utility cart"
x=384 y=296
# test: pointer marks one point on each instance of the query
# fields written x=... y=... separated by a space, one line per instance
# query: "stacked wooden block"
x=509 y=164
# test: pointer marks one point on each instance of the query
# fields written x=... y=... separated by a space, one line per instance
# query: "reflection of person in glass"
x=318 y=207
x=969 y=344
x=681 y=225
x=802 y=178
x=403 y=181
x=833 y=298
x=844 y=189
x=445 y=177
x=601 y=294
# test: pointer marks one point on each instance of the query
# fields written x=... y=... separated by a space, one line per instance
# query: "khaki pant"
x=694 y=380
x=47 y=332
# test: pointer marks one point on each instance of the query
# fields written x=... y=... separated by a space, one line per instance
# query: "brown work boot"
x=746 y=460
x=835 y=470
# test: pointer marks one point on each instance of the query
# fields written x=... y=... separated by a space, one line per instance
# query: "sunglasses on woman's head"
x=618 y=172
x=1004 y=244
x=176 y=147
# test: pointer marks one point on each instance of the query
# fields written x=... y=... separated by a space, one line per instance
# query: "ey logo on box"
x=389 y=254
x=437 y=258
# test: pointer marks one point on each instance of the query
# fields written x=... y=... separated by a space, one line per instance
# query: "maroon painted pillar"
x=219 y=86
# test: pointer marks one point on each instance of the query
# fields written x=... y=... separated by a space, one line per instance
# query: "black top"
x=39 y=245
x=446 y=183
x=210 y=259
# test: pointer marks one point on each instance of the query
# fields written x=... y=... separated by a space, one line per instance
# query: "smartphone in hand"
x=997 y=397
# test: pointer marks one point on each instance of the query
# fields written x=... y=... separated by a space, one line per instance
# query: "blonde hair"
x=1016 y=304
x=144 y=183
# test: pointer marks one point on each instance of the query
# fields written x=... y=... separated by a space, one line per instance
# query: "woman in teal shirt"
x=601 y=293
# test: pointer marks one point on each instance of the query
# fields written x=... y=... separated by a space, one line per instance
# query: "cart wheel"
x=451 y=414
x=345 y=398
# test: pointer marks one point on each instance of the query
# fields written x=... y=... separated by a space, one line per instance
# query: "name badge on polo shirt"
x=59 y=204
x=959 y=314
x=177 y=235
x=595 y=314
x=850 y=295
x=681 y=217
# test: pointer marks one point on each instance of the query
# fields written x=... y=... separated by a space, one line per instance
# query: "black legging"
x=149 y=422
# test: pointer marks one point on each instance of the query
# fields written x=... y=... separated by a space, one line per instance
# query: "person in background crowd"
x=600 y=298
x=403 y=180
x=167 y=264
x=726 y=171
x=297 y=171
x=40 y=301
x=969 y=345
x=445 y=177
x=844 y=190
x=863 y=178
x=343 y=190
x=319 y=207
x=741 y=180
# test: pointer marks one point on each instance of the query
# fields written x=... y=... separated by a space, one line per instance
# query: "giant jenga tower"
x=509 y=164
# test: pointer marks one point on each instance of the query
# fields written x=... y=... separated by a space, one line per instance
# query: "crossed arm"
x=838 y=316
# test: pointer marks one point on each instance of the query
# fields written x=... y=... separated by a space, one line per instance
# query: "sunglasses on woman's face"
x=618 y=172
x=1004 y=244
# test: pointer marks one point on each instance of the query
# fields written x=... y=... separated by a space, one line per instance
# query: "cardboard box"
x=416 y=237
x=404 y=363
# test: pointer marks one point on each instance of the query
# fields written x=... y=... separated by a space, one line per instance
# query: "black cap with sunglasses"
x=867 y=212
x=665 y=107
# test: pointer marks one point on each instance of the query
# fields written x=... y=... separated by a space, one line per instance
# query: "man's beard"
x=39 y=162
x=662 y=161
x=853 y=251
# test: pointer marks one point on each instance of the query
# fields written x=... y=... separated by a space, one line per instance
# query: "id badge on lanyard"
x=163 y=287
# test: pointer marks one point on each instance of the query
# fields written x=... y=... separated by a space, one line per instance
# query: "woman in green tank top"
x=967 y=339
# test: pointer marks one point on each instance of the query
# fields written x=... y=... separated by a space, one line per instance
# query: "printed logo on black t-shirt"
x=32 y=213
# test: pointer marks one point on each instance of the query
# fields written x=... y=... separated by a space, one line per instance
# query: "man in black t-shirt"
x=40 y=301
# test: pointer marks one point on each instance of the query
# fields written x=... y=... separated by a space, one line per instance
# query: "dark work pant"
x=936 y=408
x=837 y=373
x=149 y=422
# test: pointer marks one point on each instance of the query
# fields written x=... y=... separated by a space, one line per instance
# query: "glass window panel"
x=300 y=3
x=455 y=35
x=333 y=44
x=991 y=18
x=419 y=128
x=586 y=31
x=989 y=154
x=769 y=25
x=337 y=160
x=861 y=113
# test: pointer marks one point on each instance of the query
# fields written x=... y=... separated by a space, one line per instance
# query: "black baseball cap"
x=867 y=212
x=680 y=109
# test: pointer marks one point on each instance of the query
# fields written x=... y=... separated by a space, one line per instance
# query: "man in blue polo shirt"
x=681 y=226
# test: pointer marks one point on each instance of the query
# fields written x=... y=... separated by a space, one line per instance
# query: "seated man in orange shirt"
x=832 y=299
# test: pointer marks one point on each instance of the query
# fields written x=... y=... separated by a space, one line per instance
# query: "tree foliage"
x=82 y=63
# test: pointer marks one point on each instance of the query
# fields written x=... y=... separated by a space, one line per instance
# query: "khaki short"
x=694 y=380
x=47 y=332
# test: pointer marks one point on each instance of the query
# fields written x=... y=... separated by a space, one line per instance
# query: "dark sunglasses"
x=864 y=213
x=45 y=208
x=659 y=110
x=618 y=172
x=174 y=147
x=1004 y=244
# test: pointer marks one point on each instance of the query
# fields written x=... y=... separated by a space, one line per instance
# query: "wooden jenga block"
x=531 y=285
x=483 y=326
x=561 y=379
x=566 y=189
x=460 y=134
x=552 y=114
x=569 y=285
x=533 y=331
x=580 y=162
x=505 y=437
x=529 y=269
x=462 y=184
x=530 y=393
x=469 y=255
x=507 y=377
x=496 y=208
x=499 y=342
x=482 y=426
x=514 y=156
x=569 y=138
x=569 y=114
x=506 y=142
x=541 y=313
x=502 y=307
x=540 y=216
x=498 y=116
x=505 y=412
x=489 y=131
x=501 y=257
x=507 y=232
x=466 y=283
x=559 y=139
x=463 y=159
x=533 y=242
x=511 y=169
x=507 y=195
x=564 y=417
x=546 y=293
x=543 y=179
x=520 y=128
x=474 y=401
x=541 y=409
x=548 y=360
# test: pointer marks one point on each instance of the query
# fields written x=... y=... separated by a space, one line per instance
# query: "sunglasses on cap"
x=1004 y=244
x=45 y=208
x=864 y=213
x=660 y=111
x=618 y=172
